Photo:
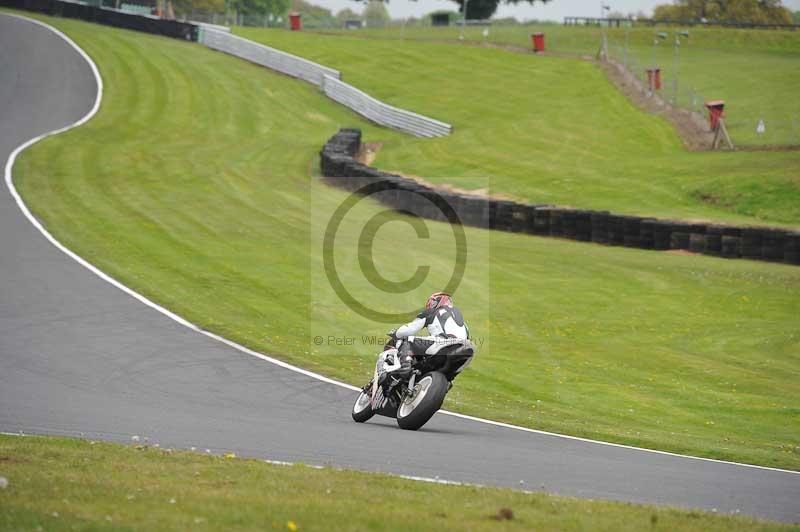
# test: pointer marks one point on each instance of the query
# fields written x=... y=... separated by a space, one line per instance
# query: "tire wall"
x=108 y=17
x=341 y=169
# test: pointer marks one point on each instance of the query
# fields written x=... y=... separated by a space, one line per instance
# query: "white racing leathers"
x=444 y=324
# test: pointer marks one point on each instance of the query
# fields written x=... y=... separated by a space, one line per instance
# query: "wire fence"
x=746 y=125
x=758 y=112
x=759 y=88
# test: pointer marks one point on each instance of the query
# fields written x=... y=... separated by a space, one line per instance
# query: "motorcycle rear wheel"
x=362 y=410
x=429 y=393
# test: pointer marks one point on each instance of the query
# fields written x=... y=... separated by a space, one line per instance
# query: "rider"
x=443 y=321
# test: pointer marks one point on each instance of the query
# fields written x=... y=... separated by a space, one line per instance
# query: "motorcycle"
x=413 y=398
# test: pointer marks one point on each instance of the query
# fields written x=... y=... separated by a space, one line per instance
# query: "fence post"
x=625 y=53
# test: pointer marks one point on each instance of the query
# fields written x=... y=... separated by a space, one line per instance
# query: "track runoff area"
x=98 y=359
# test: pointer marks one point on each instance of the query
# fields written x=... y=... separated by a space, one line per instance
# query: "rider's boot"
x=406 y=357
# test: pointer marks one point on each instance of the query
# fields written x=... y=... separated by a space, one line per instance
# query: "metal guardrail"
x=283 y=62
x=382 y=113
x=329 y=80
x=210 y=26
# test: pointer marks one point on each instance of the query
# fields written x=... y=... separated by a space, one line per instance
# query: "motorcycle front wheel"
x=362 y=410
x=416 y=409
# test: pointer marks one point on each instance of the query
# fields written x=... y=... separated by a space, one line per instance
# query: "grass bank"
x=62 y=484
x=552 y=130
x=192 y=185
x=754 y=71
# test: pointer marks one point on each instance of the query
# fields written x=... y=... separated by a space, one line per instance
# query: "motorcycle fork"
x=409 y=389
x=373 y=395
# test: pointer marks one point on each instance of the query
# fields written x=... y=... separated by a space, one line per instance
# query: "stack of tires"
x=599 y=221
x=340 y=168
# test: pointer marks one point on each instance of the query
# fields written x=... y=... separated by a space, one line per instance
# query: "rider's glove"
x=392 y=334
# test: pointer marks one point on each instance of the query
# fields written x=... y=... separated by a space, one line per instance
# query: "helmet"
x=439 y=299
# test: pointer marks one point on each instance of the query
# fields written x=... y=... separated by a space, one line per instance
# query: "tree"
x=314 y=16
x=188 y=8
x=376 y=14
x=483 y=9
x=505 y=21
x=755 y=11
x=451 y=16
x=259 y=7
x=758 y=11
x=347 y=14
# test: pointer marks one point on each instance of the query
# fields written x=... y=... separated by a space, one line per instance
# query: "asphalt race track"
x=80 y=356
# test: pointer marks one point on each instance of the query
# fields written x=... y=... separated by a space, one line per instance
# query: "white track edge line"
x=284 y=463
x=83 y=262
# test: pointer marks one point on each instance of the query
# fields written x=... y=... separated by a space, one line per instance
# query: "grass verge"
x=554 y=130
x=192 y=186
x=754 y=71
x=63 y=484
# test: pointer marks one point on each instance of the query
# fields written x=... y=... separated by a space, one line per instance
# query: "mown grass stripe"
x=590 y=322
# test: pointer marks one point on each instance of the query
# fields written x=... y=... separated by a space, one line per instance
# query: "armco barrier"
x=283 y=62
x=209 y=26
x=340 y=168
x=329 y=80
x=108 y=17
x=381 y=113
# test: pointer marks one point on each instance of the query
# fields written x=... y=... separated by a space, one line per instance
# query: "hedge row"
x=109 y=17
x=341 y=169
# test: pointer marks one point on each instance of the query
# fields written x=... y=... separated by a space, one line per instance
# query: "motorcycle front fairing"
x=384 y=405
x=447 y=355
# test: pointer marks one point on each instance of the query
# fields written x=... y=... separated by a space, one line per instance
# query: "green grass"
x=192 y=186
x=62 y=484
x=586 y=40
x=549 y=130
x=755 y=71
